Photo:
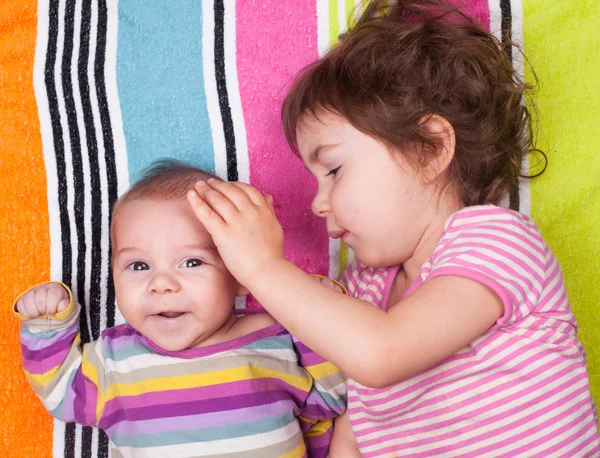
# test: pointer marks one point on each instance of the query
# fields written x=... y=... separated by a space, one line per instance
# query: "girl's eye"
x=138 y=265
x=192 y=262
x=334 y=171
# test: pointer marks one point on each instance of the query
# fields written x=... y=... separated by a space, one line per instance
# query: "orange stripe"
x=24 y=238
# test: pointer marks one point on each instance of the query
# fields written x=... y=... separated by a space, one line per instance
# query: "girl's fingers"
x=234 y=193
x=220 y=204
x=253 y=194
x=211 y=220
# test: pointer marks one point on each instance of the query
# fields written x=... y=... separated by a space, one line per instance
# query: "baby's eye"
x=138 y=265
x=334 y=171
x=193 y=262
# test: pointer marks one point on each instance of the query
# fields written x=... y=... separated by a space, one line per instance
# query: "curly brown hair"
x=407 y=60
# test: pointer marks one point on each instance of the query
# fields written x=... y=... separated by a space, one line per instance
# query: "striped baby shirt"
x=521 y=389
x=261 y=395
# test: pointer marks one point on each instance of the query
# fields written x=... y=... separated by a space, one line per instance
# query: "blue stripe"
x=161 y=83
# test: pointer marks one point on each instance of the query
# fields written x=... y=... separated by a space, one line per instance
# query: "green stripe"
x=562 y=42
x=247 y=429
x=334 y=26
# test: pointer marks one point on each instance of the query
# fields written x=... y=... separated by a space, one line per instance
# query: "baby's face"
x=170 y=282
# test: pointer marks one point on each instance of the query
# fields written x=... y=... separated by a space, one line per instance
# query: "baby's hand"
x=329 y=283
x=46 y=299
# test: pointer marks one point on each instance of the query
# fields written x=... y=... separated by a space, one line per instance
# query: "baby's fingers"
x=57 y=299
x=26 y=305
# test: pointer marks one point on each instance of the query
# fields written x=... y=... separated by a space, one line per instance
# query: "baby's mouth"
x=171 y=314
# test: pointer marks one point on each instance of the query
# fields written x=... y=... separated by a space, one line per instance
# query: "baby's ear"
x=241 y=290
x=442 y=133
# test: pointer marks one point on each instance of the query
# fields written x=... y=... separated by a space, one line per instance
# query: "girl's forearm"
x=346 y=331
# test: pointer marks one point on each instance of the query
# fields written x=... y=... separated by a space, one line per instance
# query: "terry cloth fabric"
x=91 y=91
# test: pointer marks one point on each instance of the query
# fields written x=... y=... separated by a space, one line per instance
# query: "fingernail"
x=210 y=180
x=201 y=183
x=192 y=195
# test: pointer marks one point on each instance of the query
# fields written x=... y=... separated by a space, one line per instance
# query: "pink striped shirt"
x=521 y=389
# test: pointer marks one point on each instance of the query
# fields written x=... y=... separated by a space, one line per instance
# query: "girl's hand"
x=242 y=223
x=47 y=299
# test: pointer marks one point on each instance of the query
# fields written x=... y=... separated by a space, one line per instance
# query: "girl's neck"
x=411 y=268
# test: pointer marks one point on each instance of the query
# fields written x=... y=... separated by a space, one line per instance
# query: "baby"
x=185 y=376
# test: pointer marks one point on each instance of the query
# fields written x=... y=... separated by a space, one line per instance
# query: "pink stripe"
x=460 y=390
x=481 y=411
x=264 y=73
x=505 y=227
x=512 y=343
x=513 y=426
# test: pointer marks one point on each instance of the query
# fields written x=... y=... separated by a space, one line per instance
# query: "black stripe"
x=107 y=137
x=506 y=24
x=77 y=162
x=96 y=193
x=59 y=151
x=232 y=168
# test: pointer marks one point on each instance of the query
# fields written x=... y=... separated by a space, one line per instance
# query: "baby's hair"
x=164 y=179
x=407 y=60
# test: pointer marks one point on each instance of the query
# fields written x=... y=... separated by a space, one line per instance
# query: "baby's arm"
x=343 y=443
x=60 y=371
x=325 y=401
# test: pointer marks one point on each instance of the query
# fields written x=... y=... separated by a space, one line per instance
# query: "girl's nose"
x=320 y=204
x=162 y=282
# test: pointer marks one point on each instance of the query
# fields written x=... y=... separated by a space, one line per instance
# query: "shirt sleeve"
x=325 y=401
x=64 y=374
x=499 y=249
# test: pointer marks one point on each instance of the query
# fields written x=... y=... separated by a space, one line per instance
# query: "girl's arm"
x=373 y=347
x=343 y=443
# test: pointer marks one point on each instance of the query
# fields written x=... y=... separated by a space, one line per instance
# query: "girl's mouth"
x=171 y=314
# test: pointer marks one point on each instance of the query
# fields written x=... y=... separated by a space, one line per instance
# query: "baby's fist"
x=46 y=299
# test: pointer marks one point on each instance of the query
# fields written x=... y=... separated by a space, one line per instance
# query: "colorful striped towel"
x=91 y=91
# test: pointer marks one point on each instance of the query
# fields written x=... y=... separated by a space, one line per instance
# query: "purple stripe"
x=49 y=349
x=193 y=394
x=123 y=341
x=35 y=367
x=86 y=398
x=307 y=356
x=119 y=331
x=36 y=343
x=270 y=331
x=203 y=420
x=176 y=409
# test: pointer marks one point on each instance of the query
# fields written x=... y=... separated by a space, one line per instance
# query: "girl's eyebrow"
x=314 y=155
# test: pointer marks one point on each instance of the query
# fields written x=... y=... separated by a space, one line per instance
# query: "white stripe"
x=121 y=165
x=334 y=256
x=517 y=37
x=495 y=19
x=67 y=144
x=41 y=97
x=78 y=441
x=85 y=163
x=322 y=26
x=235 y=105
x=58 y=442
x=342 y=17
x=210 y=88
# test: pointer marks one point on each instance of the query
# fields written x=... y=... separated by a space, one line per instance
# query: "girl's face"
x=372 y=199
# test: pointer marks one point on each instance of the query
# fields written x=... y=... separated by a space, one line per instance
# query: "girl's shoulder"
x=492 y=224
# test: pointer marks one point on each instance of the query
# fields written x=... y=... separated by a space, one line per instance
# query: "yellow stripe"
x=322 y=370
x=298 y=452
x=200 y=380
x=41 y=380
